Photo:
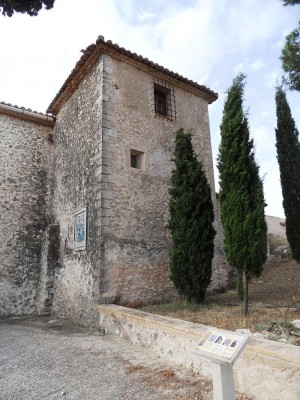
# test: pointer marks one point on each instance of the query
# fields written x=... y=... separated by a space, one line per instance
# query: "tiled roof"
x=26 y=113
x=90 y=57
x=25 y=109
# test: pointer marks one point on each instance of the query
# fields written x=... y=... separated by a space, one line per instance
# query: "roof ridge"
x=136 y=56
x=26 y=109
x=107 y=46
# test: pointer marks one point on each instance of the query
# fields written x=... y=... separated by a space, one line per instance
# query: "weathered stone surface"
x=296 y=323
x=25 y=164
x=48 y=264
x=137 y=243
x=77 y=143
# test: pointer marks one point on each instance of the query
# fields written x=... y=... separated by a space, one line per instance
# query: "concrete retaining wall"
x=266 y=369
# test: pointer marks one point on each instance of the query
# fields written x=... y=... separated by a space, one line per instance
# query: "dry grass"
x=224 y=316
x=270 y=295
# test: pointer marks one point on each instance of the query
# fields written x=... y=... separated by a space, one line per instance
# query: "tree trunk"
x=240 y=285
x=245 y=284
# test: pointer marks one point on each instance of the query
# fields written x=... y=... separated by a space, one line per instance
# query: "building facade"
x=104 y=157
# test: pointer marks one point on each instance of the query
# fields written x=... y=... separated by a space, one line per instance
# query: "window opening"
x=136 y=159
x=164 y=100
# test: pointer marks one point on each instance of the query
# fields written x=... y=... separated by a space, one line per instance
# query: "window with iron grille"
x=164 y=101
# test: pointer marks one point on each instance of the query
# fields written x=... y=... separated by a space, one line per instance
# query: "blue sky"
x=208 y=41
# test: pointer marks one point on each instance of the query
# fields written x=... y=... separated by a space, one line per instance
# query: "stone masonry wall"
x=277 y=239
x=135 y=208
x=127 y=254
x=25 y=158
x=77 y=164
x=48 y=264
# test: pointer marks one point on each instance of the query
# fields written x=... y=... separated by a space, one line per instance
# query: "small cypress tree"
x=241 y=192
x=190 y=223
x=288 y=155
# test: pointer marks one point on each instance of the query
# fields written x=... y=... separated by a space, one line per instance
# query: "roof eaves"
x=26 y=114
x=90 y=57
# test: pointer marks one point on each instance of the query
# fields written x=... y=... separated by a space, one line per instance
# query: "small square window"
x=164 y=101
x=136 y=159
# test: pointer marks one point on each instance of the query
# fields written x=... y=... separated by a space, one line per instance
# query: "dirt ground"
x=279 y=284
x=49 y=359
x=40 y=358
x=274 y=302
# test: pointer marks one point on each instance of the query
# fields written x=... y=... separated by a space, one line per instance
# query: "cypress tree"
x=288 y=155
x=190 y=222
x=241 y=191
x=290 y=57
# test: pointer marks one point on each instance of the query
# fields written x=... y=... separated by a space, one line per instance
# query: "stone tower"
x=107 y=181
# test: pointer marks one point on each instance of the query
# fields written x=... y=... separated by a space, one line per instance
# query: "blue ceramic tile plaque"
x=80 y=229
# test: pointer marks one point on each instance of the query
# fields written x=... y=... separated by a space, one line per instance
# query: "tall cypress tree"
x=190 y=223
x=288 y=155
x=241 y=191
x=290 y=57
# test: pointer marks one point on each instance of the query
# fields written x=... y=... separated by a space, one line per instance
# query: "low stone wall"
x=265 y=370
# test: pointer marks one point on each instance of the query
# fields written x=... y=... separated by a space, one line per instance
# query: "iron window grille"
x=164 y=100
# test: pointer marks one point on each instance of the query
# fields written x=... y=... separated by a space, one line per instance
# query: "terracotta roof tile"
x=26 y=114
x=25 y=109
x=90 y=57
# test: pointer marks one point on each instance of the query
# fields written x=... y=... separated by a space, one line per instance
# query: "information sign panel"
x=222 y=346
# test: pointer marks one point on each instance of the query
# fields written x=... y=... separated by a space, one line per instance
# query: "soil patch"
x=274 y=303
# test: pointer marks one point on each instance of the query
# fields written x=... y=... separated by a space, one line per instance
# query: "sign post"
x=223 y=383
x=222 y=348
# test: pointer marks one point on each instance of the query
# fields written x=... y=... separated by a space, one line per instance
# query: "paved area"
x=42 y=358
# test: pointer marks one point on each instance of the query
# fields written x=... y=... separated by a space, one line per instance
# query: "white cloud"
x=145 y=16
x=257 y=65
x=273 y=77
x=263 y=136
x=238 y=68
x=272 y=189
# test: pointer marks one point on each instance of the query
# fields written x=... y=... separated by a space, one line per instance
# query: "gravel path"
x=48 y=359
